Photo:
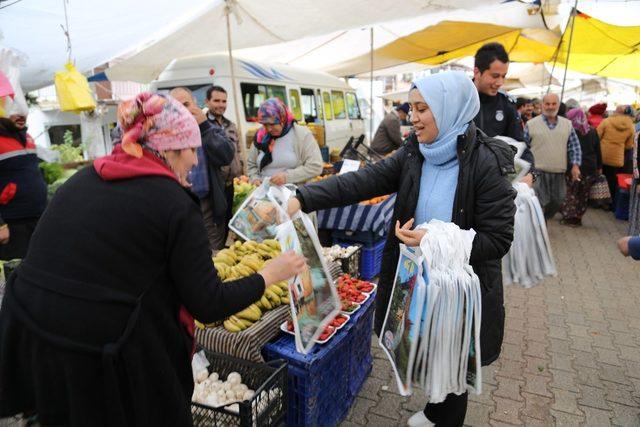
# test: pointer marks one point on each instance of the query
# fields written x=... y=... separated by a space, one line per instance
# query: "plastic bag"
x=399 y=335
x=431 y=332
x=72 y=88
x=10 y=63
x=5 y=86
x=312 y=294
x=261 y=212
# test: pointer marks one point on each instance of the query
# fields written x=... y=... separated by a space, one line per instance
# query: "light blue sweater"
x=453 y=100
x=438 y=181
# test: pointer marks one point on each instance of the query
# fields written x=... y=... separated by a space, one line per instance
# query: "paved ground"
x=571 y=353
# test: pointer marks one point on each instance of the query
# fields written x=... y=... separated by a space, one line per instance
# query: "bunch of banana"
x=201 y=325
x=243 y=319
x=274 y=296
x=244 y=259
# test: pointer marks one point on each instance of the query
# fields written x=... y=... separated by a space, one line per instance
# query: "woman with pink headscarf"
x=96 y=326
x=577 y=197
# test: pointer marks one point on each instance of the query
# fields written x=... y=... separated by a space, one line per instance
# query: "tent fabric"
x=597 y=48
x=601 y=49
x=451 y=40
x=254 y=23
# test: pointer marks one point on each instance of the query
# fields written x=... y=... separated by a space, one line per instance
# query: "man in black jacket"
x=217 y=150
x=498 y=115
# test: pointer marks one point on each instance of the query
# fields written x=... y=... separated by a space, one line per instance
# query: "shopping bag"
x=600 y=190
x=72 y=88
x=402 y=323
x=313 y=296
x=261 y=212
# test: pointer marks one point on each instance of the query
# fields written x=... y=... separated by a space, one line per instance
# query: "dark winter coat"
x=484 y=201
x=23 y=192
x=498 y=117
x=219 y=150
x=591 y=154
x=89 y=327
x=387 y=137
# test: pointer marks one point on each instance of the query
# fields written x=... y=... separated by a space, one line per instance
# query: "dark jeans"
x=449 y=413
x=216 y=232
x=20 y=231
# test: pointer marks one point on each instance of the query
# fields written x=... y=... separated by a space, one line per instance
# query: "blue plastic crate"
x=361 y=360
x=371 y=260
x=320 y=383
x=325 y=153
x=622 y=204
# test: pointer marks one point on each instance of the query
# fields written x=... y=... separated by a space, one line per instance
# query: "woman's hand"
x=293 y=206
x=575 y=173
x=408 y=236
x=528 y=179
x=285 y=266
x=279 y=179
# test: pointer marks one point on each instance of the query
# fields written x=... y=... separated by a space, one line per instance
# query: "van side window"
x=326 y=101
x=353 y=109
x=339 y=110
x=255 y=94
x=294 y=103
x=309 y=106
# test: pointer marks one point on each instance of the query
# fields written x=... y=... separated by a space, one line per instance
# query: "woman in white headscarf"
x=448 y=170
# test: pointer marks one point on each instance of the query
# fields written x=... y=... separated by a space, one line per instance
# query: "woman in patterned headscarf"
x=283 y=151
x=95 y=326
x=575 y=204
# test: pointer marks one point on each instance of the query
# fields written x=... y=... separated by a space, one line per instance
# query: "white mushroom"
x=212 y=400
x=248 y=395
x=201 y=375
x=234 y=375
x=214 y=376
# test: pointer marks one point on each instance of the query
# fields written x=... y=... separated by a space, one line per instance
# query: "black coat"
x=107 y=254
x=591 y=154
x=498 y=117
x=484 y=201
x=219 y=150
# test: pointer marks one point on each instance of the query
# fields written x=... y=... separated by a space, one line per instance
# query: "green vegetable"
x=68 y=153
x=51 y=171
x=53 y=187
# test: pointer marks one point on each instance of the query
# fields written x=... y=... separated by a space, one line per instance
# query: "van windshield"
x=352 y=106
x=255 y=94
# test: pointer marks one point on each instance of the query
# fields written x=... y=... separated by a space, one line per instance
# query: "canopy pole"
x=236 y=104
x=371 y=86
x=574 y=12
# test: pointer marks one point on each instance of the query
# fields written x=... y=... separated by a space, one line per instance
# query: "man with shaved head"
x=555 y=146
x=217 y=150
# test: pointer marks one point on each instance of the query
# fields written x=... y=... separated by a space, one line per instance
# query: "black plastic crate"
x=264 y=409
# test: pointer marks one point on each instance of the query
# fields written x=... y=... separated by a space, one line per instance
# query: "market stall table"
x=248 y=343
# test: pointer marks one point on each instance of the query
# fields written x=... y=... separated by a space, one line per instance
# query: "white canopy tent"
x=149 y=35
